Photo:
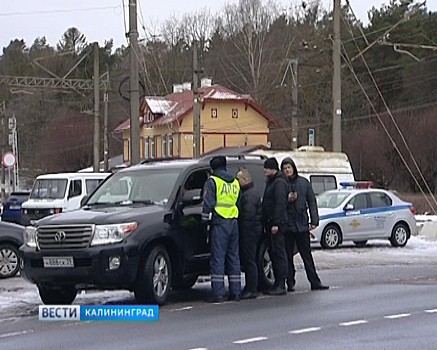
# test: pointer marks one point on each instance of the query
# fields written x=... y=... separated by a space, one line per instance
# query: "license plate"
x=15 y=207
x=59 y=262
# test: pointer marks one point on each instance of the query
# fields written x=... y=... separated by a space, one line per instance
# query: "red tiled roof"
x=174 y=107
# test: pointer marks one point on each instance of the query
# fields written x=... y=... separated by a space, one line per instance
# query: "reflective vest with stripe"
x=226 y=197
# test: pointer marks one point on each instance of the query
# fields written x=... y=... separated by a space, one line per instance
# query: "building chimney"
x=205 y=82
x=177 y=88
x=186 y=86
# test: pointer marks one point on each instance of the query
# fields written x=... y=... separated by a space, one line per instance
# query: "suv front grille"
x=64 y=237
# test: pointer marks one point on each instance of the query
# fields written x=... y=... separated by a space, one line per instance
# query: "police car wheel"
x=57 y=295
x=154 y=279
x=9 y=263
x=400 y=235
x=330 y=237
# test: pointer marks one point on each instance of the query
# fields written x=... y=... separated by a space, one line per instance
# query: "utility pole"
x=105 y=129
x=3 y=145
x=336 y=81
x=294 y=106
x=134 y=86
x=196 y=109
x=96 y=157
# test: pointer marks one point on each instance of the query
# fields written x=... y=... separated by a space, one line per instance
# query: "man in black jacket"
x=249 y=223
x=300 y=198
x=274 y=207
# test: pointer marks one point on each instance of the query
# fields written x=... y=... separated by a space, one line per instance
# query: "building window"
x=146 y=147
x=213 y=112
x=152 y=146
x=234 y=112
x=163 y=145
x=170 y=145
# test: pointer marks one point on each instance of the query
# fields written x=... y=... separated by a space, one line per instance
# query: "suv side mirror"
x=192 y=197
x=349 y=207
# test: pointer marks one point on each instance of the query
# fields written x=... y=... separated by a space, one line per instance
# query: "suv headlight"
x=106 y=234
x=29 y=236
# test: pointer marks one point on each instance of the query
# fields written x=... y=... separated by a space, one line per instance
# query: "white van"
x=324 y=170
x=56 y=193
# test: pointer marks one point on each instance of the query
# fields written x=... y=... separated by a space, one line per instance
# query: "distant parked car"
x=11 y=237
x=12 y=207
x=360 y=214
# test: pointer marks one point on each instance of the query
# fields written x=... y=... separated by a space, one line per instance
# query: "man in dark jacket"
x=249 y=223
x=300 y=198
x=274 y=207
x=220 y=199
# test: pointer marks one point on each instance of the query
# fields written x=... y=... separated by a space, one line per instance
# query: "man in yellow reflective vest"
x=220 y=199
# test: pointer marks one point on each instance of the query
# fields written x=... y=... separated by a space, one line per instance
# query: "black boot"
x=279 y=289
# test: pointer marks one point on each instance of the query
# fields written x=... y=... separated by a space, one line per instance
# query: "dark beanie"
x=218 y=162
x=271 y=163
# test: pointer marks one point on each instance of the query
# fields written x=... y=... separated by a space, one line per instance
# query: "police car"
x=356 y=212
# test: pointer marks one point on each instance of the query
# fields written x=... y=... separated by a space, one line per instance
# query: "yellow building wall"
x=248 y=121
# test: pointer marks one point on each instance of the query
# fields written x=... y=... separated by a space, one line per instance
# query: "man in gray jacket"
x=300 y=198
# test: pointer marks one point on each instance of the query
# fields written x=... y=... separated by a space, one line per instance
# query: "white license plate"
x=15 y=207
x=58 y=262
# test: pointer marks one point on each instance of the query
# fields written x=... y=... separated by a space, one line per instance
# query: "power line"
x=38 y=12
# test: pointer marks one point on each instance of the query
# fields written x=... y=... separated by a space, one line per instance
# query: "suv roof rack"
x=235 y=156
x=162 y=159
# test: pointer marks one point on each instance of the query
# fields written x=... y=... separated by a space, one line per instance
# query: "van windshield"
x=49 y=189
x=147 y=187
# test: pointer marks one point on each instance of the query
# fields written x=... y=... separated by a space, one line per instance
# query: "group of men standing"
x=237 y=218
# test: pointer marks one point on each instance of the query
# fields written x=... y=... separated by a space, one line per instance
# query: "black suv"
x=140 y=230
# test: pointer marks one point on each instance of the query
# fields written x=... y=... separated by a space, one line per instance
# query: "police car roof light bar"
x=357 y=184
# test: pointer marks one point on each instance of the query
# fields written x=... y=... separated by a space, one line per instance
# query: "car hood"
x=101 y=216
x=326 y=213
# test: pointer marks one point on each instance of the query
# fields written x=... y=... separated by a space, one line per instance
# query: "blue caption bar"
x=98 y=312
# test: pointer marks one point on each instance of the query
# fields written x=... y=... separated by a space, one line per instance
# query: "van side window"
x=91 y=184
x=322 y=183
x=75 y=188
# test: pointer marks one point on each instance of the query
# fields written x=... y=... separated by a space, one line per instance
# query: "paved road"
x=381 y=298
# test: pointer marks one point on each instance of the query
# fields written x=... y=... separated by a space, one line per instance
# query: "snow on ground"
x=20 y=298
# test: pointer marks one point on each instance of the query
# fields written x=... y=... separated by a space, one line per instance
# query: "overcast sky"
x=100 y=20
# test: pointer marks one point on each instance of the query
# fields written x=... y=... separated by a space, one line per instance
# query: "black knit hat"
x=271 y=163
x=218 y=162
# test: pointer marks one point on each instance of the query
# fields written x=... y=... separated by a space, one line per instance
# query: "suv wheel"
x=399 y=236
x=154 y=279
x=330 y=237
x=8 y=261
x=57 y=295
x=266 y=277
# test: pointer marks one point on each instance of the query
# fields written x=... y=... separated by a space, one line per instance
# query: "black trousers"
x=302 y=241
x=248 y=244
x=278 y=254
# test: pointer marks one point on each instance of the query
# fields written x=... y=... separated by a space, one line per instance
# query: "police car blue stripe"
x=364 y=211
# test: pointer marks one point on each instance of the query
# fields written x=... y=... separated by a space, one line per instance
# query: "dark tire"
x=9 y=262
x=57 y=295
x=360 y=243
x=266 y=277
x=185 y=282
x=331 y=237
x=154 y=277
x=400 y=235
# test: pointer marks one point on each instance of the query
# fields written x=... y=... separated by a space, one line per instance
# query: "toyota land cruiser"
x=139 y=230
